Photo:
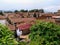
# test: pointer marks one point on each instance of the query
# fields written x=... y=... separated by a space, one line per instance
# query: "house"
x=25 y=28
x=25 y=14
x=31 y=14
x=18 y=21
x=45 y=16
x=13 y=18
x=3 y=20
x=11 y=27
x=48 y=20
x=58 y=13
x=57 y=19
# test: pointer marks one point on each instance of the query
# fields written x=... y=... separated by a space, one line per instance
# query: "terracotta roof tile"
x=24 y=26
x=48 y=20
x=2 y=17
x=11 y=27
x=47 y=14
x=22 y=19
x=55 y=16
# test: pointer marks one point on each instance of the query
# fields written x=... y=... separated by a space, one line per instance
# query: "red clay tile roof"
x=2 y=17
x=24 y=26
x=48 y=20
x=14 y=15
x=22 y=19
x=11 y=27
x=46 y=14
x=55 y=16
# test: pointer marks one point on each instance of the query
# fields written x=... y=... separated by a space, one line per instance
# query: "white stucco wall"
x=3 y=22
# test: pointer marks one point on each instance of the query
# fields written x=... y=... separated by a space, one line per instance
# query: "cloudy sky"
x=48 y=5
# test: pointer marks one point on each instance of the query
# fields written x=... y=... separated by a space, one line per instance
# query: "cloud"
x=52 y=8
x=24 y=1
x=14 y=1
x=50 y=5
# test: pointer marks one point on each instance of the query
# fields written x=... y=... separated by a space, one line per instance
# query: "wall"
x=3 y=22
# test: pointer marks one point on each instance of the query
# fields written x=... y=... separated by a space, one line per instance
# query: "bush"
x=22 y=43
x=45 y=33
x=6 y=36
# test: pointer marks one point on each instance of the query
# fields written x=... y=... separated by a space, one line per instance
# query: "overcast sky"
x=48 y=5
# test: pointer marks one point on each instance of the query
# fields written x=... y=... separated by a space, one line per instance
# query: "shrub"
x=45 y=33
x=6 y=36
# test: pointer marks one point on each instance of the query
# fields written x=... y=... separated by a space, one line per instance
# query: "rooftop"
x=55 y=16
x=2 y=17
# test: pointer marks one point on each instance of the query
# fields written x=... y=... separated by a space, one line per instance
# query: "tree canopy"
x=6 y=36
x=23 y=10
x=16 y=11
x=37 y=10
x=45 y=33
x=1 y=12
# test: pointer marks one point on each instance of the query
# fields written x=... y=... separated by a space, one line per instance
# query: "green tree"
x=16 y=11
x=45 y=33
x=6 y=36
x=37 y=10
x=41 y=10
x=8 y=11
x=34 y=10
x=31 y=10
x=1 y=13
x=23 y=10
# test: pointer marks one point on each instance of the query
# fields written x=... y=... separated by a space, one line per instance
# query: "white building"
x=3 y=20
